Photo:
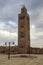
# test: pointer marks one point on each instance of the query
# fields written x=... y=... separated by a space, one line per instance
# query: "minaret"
x=24 y=30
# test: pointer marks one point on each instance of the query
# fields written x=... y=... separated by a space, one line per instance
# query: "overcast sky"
x=9 y=10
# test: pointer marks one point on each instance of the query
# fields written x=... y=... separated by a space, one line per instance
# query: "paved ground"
x=32 y=60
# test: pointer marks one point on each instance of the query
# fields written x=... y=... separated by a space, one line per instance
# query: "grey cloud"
x=10 y=27
x=2 y=3
x=9 y=10
x=39 y=25
x=36 y=4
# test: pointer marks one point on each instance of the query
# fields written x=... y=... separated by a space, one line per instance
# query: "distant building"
x=35 y=50
x=24 y=31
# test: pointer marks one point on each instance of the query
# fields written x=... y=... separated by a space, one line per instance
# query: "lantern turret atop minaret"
x=23 y=9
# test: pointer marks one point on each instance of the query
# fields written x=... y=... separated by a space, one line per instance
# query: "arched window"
x=22 y=24
x=22 y=34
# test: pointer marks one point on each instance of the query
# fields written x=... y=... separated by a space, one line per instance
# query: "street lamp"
x=9 y=48
x=13 y=43
x=13 y=47
x=6 y=46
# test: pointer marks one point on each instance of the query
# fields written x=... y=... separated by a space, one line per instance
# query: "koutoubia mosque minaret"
x=24 y=31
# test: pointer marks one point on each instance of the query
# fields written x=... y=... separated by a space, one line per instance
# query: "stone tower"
x=24 y=31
